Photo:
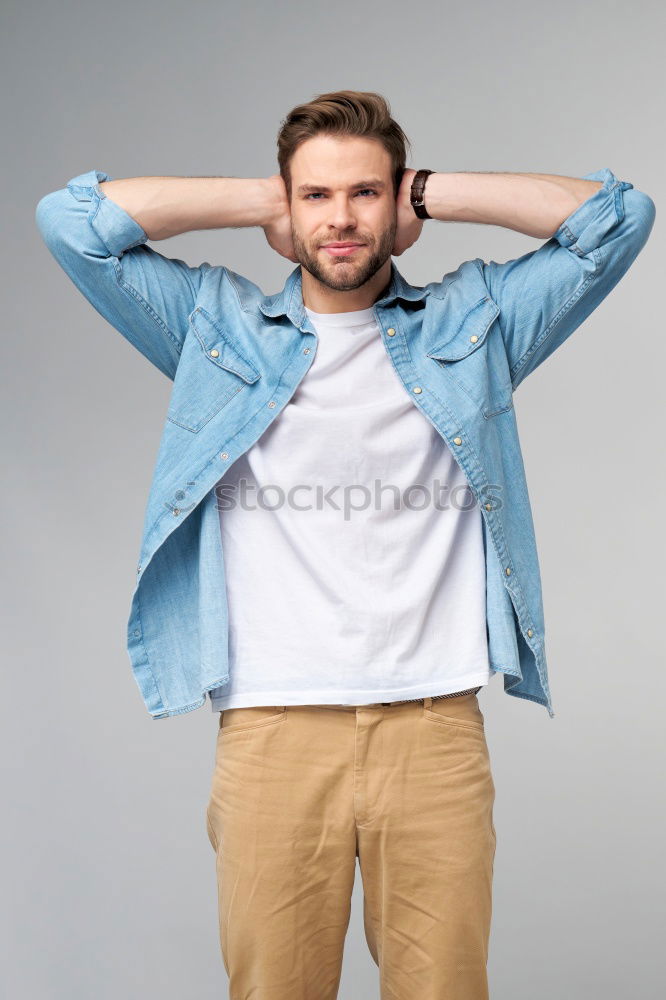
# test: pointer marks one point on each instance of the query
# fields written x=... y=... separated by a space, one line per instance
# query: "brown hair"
x=343 y=112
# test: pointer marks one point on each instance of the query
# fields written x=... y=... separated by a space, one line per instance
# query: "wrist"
x=418 y=194
x=275 y=200
x=404 y=194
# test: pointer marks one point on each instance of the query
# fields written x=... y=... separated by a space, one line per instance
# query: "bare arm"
x=534 y=204
x=168 y=206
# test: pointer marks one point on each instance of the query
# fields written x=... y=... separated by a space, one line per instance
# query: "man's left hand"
x=409 y=225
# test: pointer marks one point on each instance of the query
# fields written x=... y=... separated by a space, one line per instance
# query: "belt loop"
x=427 y=702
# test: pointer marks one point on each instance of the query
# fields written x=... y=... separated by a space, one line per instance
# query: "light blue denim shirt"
x=460 y=345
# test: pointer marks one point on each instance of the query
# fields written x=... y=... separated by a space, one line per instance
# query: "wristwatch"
x=417 y=193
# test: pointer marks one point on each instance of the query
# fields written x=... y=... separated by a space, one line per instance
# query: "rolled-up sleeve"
x=546 y=294
x=146 y=296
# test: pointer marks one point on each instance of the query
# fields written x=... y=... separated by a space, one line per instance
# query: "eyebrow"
x=376 y=183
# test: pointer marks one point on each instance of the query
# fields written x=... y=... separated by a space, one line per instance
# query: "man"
x=341 y=627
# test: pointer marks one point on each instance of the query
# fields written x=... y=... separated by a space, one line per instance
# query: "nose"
x=342 y=218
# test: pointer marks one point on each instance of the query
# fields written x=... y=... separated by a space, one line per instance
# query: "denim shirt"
x=460 y=345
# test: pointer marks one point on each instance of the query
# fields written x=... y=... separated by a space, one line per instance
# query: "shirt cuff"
x=584 y=230
x=117 y=229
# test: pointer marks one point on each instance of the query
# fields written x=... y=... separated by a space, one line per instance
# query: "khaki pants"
x=299 y=792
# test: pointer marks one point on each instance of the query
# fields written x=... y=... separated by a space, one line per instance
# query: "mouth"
x=342 y=249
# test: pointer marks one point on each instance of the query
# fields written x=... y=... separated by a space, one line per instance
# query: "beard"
x=343 y=274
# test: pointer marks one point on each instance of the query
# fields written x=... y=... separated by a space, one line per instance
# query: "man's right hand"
x=278 y=230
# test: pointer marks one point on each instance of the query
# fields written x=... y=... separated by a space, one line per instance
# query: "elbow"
x=629 y=236
x=639 y=216
x=62 y=223
x=49 y=219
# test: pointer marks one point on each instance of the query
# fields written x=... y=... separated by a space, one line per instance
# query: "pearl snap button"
x=224 y=454
x=214 y=353
x=530 y=632
x=417 y=388
x=457 y=440
x=391 y=332
x=508 y=571
x=474 y=339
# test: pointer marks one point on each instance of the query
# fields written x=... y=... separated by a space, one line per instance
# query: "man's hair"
x=343 y=113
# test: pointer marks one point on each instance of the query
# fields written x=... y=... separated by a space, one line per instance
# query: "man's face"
x=336 y=208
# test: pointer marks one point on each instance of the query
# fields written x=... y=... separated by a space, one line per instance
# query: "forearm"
x=167 y=206
x=535 y=204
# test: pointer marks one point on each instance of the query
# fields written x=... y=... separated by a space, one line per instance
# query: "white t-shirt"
x=375 y=593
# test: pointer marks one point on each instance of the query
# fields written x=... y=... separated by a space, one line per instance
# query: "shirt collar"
x=289 y=302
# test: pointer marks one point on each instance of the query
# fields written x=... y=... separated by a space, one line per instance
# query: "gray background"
x=108 y=881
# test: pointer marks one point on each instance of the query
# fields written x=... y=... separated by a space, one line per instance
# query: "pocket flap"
x=470 y=332
x=218 y=348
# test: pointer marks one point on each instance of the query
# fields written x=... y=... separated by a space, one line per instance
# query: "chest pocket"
x=211 y=372
x=473 y=356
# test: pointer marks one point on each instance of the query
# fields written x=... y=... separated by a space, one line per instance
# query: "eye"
x=314 y=193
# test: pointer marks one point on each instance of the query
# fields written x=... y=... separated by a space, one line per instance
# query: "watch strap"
x=417 y=193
